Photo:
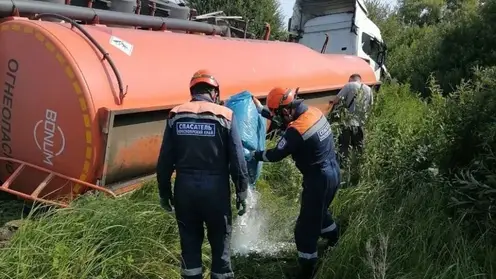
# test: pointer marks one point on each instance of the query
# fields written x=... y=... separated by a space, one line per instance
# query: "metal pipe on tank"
x=59 y=2
x=108 y=17
x=324 y=46
x=138 y=7
x=266 y=35
x=53 y=1
x=123 y=6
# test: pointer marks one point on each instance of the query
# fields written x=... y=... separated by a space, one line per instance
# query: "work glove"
x=250 y=156
x=257 y=103
x=167 y=204
x=278 y=122
x=240 y=203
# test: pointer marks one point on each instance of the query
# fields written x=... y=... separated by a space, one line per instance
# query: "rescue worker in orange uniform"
x=202 y=144
x=309 y=139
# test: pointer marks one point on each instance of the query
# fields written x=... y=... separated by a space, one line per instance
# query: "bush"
x=424 y=207
x=448 y=43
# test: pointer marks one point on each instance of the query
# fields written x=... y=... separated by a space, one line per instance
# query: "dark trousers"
x=315 y=220
x=201 y=198
x=351 y=136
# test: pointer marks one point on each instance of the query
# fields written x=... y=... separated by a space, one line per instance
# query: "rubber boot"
x=332 y=241
x=332 y=238
x=307 y=270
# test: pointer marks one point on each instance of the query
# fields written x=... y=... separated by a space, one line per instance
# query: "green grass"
x=423 y=207
x=128 y=237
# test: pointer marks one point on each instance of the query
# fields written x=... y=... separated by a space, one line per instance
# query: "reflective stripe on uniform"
x=321 y=124
x=330 y=228
x=307 y=256
x=191 y=271
x=228 y=275
x=200 y=107
x=264 y=156
x=306 y=120
x=222 y=121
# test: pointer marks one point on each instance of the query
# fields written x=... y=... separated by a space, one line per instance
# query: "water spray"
x=250 y=231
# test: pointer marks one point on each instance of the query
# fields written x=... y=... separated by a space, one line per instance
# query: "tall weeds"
x=424 y=206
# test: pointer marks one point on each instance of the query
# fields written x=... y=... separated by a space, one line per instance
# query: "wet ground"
x=263 y=266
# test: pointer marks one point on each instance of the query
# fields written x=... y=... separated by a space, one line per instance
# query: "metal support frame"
x=34 y=196
x=107 y=130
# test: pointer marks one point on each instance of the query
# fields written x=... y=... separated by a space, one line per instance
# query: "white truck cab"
x=347 y=26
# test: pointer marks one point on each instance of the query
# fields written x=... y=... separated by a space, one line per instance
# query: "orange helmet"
x=203 y=76
x=279 y=97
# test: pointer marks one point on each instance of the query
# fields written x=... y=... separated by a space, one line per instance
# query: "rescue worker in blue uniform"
x=201 y=143
x=309 y=139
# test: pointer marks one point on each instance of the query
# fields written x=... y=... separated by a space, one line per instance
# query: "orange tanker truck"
x=84 y=105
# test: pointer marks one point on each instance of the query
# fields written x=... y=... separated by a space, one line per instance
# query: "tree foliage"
x=446 y=38
x=258 y=12
x=425 y=202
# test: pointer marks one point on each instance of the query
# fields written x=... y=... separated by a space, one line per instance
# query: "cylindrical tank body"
x=57 y=90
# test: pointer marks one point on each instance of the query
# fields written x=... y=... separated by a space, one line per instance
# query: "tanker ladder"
x=34 y=196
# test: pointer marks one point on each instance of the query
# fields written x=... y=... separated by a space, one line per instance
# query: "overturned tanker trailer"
x=84 y=106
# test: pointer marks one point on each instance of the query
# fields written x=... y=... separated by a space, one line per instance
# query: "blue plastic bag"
x=252 y=129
